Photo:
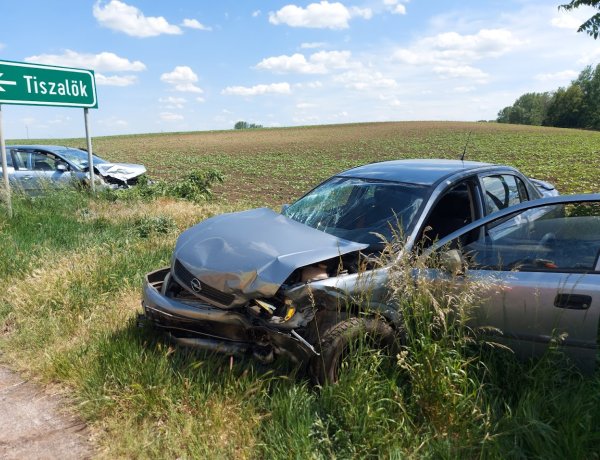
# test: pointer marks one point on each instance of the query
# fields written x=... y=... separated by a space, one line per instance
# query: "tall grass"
x=70 y=279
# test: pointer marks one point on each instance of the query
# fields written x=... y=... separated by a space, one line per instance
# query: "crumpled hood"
x=121 y=171
x=250 y=254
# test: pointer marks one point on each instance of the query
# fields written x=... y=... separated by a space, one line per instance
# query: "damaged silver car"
x=32 y=168
x=266 y=284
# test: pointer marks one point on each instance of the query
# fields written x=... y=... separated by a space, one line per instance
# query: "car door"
x=37 y=170
x=9 y=165
x=539 y=265
x=22 y=178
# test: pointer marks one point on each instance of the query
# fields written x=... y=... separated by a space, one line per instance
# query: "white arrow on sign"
x=6 y=82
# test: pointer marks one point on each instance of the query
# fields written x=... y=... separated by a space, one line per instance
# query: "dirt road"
x=34 y=424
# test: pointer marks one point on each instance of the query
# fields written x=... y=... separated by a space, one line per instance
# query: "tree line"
x=577 y=106
x=246 y=125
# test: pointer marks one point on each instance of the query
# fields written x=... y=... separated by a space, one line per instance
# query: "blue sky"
x=200 y=65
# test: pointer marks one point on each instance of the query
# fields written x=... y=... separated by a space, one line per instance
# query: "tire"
x=338 y=341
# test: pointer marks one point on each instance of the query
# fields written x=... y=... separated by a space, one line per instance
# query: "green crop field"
x=70 y=281
x=273 y=166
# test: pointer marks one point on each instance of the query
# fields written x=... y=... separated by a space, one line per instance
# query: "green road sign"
x=22 y=83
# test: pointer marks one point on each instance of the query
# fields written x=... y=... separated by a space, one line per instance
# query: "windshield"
x=79 y=158
x=361 y=210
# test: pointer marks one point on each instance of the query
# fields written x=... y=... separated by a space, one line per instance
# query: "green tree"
x=592 y=25
x=566 y=108
x=246 y=125
x=504 y=115
x=589 y=82
x=529 y=109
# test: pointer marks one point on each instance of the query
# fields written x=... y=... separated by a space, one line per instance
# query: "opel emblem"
x=196 y=285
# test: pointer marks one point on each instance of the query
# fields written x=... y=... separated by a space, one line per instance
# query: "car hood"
x=250 y=254
x=120 y=171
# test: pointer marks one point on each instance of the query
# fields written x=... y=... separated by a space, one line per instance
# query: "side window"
x=549 y=238
x=21 y=158
x=502 y=191
x=42 y=162
x=454 y=210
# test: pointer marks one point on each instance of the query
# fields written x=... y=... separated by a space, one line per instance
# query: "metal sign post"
x=24 y=83
x=89 y=149
x=5 y=169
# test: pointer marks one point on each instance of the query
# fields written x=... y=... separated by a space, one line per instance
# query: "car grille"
x=206 y=291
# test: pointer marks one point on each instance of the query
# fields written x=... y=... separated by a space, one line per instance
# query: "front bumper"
x=232 y=332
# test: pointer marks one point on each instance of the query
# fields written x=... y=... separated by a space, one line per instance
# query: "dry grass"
x=183 y=213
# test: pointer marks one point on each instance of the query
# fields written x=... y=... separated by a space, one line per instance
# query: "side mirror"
x=61 y=167
x=284 y=208
x=453 y=262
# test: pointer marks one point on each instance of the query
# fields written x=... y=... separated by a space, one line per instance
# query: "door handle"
x=573 y=301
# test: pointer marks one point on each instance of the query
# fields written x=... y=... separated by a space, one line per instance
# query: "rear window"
x=502 y=191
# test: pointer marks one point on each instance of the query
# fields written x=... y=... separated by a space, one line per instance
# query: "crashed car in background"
x=266 y=284
x=33 y=168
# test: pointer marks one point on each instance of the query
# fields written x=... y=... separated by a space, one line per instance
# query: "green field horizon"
x=276 y=165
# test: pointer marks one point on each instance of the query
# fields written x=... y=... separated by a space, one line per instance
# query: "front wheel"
x=341 y=340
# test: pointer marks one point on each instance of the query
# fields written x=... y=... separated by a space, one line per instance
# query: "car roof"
x=50 y=148
x=422 y=172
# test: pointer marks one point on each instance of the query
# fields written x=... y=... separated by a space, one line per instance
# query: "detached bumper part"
x=231 y=332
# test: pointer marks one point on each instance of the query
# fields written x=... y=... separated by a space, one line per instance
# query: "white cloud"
x=305 y=105
x=332 y=59
x=194 y=24
x=452 y=48
x=273 y=88
x=169 y=116
x=312 y=45
x=483 y=44
x=183 y=79
x=565 y=21
x=562 y=76
x=318 y=63
x=394 y=7
x=451 y=54
x=130 y=20
x=463 y=71
x=256 y=13
x=115 y=80
x=323 y=15
x=365 y=79
x=172 y=102
x=399 y=9
x=200 y=99
x=365 y=13
x=590 y=57
x=104 y=61
x=310 y=85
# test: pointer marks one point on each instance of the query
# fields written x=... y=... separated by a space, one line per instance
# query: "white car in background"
x=32 y=168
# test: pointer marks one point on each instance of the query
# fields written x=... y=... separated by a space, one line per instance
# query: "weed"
x=195 y=187
x=149 y=225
